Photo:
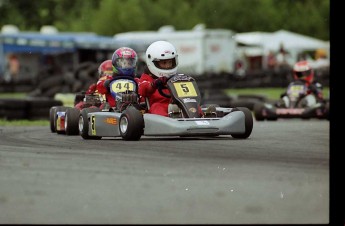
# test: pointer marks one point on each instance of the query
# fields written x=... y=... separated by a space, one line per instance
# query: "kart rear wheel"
x=248 y=123
x=131 y=124
x=84 y=124
x=258 y=107
x=52 y=112
x=55 y=117
x=71 y=121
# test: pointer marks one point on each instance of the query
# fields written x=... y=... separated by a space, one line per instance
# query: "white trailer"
x=200 y=51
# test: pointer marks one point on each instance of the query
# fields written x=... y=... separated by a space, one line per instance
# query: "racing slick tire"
x=131 y=124
x=59 y=108
x=72 y=121
x=248 y=116
x=53 y=116
x=258 y=111
x=83 y=124
x=52 y=122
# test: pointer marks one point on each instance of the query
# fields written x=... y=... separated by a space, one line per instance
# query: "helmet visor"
x=125 y=63
x=165 y=64
x=302 y=74
x=108 y=72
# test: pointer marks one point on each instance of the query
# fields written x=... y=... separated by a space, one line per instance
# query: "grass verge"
x=4 y=122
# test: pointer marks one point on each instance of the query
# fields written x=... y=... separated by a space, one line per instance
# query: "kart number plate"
x=296 y=90
x=122 y=86
x=185 y=89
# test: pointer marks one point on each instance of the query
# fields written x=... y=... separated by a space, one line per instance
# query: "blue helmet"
x=124 y=61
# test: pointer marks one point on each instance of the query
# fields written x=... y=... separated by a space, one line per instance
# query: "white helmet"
x=161 y=50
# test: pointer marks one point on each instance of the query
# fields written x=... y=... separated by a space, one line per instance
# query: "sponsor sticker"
x=289 y=111
x=189 y=100
x=202 y=123
x=111 y=121
x=93 y=125
x=192 y=110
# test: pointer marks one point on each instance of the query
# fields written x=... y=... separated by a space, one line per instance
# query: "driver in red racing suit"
x=104 y=70
x=123 y=63
x=303 y=72
x=161 y=63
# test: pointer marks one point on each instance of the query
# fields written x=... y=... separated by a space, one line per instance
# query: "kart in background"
x=64 y=120
x=184 y=119
x=297 y=103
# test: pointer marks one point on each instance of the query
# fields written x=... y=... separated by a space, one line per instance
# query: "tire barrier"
x=30 y=108
x=219 y=97
x=211 y=86
x=47 y=82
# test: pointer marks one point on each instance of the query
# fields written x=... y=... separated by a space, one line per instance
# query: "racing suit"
x=314 y=88
x=157 y=103
x=104 y=90
x=92 y=89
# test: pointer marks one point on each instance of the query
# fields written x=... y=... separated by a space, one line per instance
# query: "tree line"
x=108 y=17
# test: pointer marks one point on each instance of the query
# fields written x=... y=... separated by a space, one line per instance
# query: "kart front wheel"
x=131 y=124
x=248 y=117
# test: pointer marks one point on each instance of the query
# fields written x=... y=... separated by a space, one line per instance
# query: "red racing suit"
x=103 y=90
x=314 y=88
x=157 y=103
x=92 y=89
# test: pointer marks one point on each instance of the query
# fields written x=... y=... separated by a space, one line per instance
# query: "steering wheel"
x=160 y=90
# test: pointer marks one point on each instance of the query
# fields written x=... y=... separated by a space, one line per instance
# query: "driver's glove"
x=159 y=82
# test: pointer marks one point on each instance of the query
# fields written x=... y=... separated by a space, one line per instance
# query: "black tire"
x=245 y=102
x=77 y=86
x=43 y=102
x=38 y=108
x=52 y=91
x=261 y=98
x=57 y=109
x=13 y=104
x=72 y=121
x=272 y=118
x=258 y=111
x=83 y=124
x=50 y=81
x=52 y=121
x=248 y=124
x=131 y=124
x=10 y=114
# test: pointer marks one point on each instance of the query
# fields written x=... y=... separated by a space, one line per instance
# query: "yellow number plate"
x=185 y=89
x=122 y=86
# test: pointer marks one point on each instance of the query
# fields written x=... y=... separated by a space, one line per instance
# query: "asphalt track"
x=279 y=175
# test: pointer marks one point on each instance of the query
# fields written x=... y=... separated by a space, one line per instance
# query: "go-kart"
x=297 y=103
x=64 y=120
x=184 y=118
